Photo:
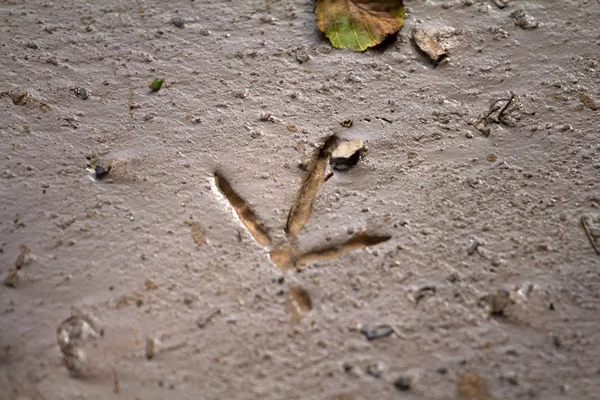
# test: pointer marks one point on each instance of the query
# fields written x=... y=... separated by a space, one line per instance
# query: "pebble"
x=523 y=20
x=501 y=3
x=347 y=153
x=178 y=22
x=374 y=369
x=83 y=93
x=302 y=55
x=376 y=332
x=403 y=383
x=101 y=172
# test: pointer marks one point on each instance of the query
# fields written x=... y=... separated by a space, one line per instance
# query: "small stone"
x=428 y=44
x=376 y=332
x=403 y=383
x=374 y=370
x=205 y=32
x=495 y=303
x=347 y=367
x=501 y=3
x=82 y=93
x=178 y=22
x=302 y=55
x=347 y=153
x=512 y=378
x=101 y=172
x=523 y=20
x=565 y=128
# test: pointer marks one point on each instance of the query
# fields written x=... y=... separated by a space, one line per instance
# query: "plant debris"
x=23 y=258
x=358 y=24
x=591 y=227
x=499 y=113
x=12 y=277
x=472 y=387
x=203 y=321
x=156 y=84
x=198 y=233
x=428 y=44
x=347 y=153
x=347 y=123
x=588 y=101
x=150 y=348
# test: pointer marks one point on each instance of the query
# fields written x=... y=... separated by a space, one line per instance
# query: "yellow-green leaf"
x=359 y=24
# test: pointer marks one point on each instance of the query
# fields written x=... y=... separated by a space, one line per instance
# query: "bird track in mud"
x=289 y=257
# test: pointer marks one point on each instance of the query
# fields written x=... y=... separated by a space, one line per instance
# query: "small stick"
x=117 y=385
x=203 y=321
x=501 y=114
x=586 y=228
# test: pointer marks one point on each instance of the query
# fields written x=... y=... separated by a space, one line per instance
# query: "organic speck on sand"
x=12 y=277
x=156 y=84
x=150 y=348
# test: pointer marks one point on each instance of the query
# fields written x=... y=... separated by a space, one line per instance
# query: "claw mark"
x=359 y=241
x=302 y=208
x=285 y=258
x=243 y=211
x=290 y=257
x=298 y=304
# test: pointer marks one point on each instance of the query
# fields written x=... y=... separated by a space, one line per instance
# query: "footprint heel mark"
x=243 y=211
x=360 y=240
x=302 y=207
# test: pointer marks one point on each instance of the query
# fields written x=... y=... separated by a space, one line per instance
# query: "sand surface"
x=156 y=258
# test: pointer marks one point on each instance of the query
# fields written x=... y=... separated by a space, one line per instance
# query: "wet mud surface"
x=195 y=241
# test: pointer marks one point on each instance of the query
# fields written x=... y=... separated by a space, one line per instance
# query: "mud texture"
x=467 y=231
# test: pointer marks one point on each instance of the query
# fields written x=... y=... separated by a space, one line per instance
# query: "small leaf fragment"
x=156 y=84
x=359 y=24
x=198 y=233
x=347 y=123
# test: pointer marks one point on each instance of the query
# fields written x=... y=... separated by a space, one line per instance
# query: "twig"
x=201 y=322
x=501 y=114
x=586 y=228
